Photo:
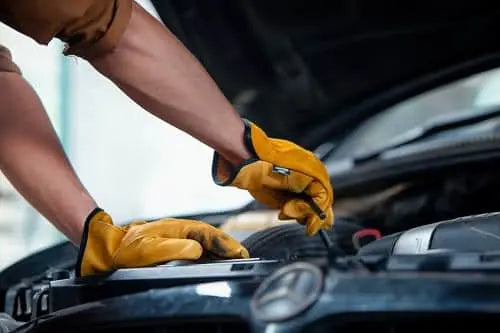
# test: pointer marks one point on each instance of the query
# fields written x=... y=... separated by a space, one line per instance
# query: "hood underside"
x=311 y=70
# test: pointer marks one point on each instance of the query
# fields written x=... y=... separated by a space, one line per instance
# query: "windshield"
x=472 y=93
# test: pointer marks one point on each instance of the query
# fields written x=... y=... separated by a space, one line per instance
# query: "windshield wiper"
x=431 y=127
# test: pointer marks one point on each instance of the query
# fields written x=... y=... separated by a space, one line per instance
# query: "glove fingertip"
x=295 y=209
x=330 y=218
x=312 y=227
x=310 y=232
x=327 y=226
x=192 y=250
x=244 y=253
x=225 y=246
x=282 y=216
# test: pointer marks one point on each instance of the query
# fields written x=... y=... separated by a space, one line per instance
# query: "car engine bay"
x=411 y=252
x=388 y=293
x=416 y=240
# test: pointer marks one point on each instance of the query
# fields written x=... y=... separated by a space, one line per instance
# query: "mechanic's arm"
x=152 y=67
x=149 y=64
x=32 y=159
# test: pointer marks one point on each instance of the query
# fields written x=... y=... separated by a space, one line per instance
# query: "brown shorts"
x=6 y=63
x=90 y=28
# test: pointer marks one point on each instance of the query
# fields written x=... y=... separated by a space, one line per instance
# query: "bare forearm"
x=32 y=159
x=152 y=67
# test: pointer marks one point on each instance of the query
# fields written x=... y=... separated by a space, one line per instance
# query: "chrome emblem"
x=287 y=292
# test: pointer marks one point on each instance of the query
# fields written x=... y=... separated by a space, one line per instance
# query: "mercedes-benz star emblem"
x=287 y=292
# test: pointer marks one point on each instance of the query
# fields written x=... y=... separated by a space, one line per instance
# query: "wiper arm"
x=431 y=127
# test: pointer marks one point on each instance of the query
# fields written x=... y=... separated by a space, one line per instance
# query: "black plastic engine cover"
x=69 y=292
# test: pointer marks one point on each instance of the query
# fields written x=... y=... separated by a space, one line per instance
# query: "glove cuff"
x=221 y=166
x=247 y=137
x=83 y=242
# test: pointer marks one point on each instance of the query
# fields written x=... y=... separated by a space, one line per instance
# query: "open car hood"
x=311 y=70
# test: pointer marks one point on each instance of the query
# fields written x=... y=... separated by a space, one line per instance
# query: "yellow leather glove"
x=281 y=175
x=106 y=247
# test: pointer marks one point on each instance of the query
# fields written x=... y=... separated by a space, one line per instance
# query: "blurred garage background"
x=126 y=158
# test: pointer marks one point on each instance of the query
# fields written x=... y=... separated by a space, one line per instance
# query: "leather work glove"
x=281 y=175
x=106 y=247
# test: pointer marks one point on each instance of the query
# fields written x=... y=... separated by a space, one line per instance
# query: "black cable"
x=333 y=250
